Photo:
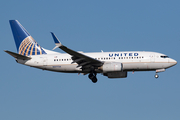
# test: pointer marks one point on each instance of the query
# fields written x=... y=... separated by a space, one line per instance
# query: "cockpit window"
x=164 y=57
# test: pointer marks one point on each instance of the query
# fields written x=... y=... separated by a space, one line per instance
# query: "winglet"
x=57 y=42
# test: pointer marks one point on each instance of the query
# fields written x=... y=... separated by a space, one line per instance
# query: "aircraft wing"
x=79 y=58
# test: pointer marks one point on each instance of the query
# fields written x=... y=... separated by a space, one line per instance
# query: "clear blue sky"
x=31 y=94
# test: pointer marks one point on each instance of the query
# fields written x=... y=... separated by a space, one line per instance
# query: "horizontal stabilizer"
x=17 y=56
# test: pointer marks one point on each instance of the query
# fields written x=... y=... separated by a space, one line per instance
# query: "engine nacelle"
x=116 y=74
x=112 y=67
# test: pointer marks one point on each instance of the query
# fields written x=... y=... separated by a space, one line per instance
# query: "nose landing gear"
x=156 y=75
x=158 y=70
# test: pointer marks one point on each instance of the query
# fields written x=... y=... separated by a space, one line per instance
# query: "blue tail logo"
x=25 y=44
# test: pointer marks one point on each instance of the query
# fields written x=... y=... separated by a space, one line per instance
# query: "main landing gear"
x=93 y=77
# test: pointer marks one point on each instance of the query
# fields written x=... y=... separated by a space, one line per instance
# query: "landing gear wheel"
x=94 y=80
x=92 y=77
x=156 y=76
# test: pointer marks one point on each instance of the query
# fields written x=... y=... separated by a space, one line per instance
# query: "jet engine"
x=112 y=67
x=121 y=74
x=113 y=70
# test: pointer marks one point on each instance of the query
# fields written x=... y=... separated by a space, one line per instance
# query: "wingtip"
x=56 y=40
x=51 y=33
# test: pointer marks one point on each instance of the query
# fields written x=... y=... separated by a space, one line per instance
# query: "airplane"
x=110 y=64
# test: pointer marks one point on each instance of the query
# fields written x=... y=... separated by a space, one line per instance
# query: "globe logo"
x=30 y=47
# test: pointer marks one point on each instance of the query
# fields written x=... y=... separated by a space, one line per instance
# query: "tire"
x=94 y=80
x=91 y=76
x=156 y=76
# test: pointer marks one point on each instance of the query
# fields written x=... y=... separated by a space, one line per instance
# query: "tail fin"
x=25 y=44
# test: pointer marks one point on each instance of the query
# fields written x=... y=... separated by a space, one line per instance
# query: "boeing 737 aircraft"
x=110 y=64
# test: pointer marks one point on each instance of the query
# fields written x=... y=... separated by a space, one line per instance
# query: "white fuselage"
x=110 y=64
x=131 y=61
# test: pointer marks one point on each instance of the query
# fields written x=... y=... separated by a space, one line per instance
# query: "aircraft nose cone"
x=173 y=62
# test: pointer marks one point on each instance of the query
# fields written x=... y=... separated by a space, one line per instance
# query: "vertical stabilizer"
x=25 y=44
